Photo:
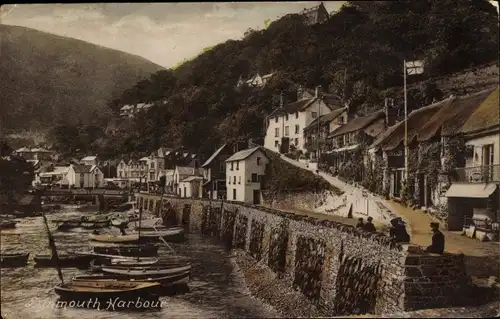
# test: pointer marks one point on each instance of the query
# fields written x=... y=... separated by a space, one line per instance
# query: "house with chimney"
x=315 y=15
x=347 y=143
x=473 y=197
x=285 y=125
x=436 y=141
x=388 y=147
x=245 y=171
x=256 y=80
x=85 y=176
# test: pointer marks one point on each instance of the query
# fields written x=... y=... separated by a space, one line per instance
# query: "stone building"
x=314 y=15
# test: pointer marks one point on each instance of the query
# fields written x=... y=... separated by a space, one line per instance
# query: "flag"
x=414 y=67
x=52 y=246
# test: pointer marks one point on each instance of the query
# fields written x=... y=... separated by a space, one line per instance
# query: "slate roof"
x=358 y=124
x=485 y=117
x=326 y=118
x=241 y=155
x=450 y=118
x=297 y=106
x=82 y=168
x=192 y=178
x=185 y=170
x=214 y=155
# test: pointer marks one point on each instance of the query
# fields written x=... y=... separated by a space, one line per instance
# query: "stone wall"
x=302 y=200
x=341 y=270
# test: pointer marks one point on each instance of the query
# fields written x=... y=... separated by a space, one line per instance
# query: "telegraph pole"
x=406 y=123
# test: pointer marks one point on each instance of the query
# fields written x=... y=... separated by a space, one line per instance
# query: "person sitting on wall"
x=360 y=223
x=398 y=231
x=369 y=227
x=437 y=246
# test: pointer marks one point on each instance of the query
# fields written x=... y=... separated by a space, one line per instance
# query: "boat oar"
x=52 y=245
x=165 y=242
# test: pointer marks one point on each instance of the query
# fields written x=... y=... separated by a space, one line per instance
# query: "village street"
x=481 y=258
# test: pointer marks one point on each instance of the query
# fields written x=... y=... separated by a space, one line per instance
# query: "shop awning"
x=468 y=190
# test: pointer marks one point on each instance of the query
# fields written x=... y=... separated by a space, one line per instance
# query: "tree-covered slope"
x=48 y=78
x=362 y=46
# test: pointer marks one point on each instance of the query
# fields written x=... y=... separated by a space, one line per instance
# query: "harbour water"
x=216 y=289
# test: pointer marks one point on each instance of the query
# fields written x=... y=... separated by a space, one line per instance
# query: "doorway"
x=256 y=197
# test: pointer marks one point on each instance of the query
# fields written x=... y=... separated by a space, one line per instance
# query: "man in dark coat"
x=369 y=227
x=360 y=223
x=398 y=231
x=437 y=246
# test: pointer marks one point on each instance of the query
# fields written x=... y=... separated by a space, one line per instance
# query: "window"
x=275 y=120
x=254 y=178
x=286 y=131
x=239 y=179
x=258 y=160
x=237 y=165
x=488 y=155
x=286 y=117
x=222 y=167
x=276 y=143
x=234 y=179
x=152 y=165
x=341 y=120
x=234 y=194
x=277 y=132
x=297 y=129
x=296 y=142
x=229 y=179
x=120 y=174
x=232 y=165
x=314 y=114
x=296 y=115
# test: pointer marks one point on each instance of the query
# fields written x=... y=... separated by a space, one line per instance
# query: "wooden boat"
x=94 y=224
x=71 y=260
x=14 y=260
x=133 y=272
x=165 y=281
x=133 y=262
x=8 y=224
x=127 y=250
x=68 y=225
x=115 y=239
x=107 y=290
x=174 y=234
x=97 y=264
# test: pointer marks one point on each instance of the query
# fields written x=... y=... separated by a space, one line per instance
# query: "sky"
x=164 y=33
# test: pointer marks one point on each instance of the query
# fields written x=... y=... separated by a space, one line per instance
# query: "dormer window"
x=341 y=120
x=314 y=115
x=258 y=160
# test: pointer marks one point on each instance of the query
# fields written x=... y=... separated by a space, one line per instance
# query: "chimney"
x=300 y=92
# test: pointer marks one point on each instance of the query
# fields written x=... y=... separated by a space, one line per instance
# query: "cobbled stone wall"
x=340 y=269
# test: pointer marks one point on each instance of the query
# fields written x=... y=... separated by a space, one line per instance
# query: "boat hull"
x=165 y=281
x=141 y=272
x=94 y=225
x=14 y=260
x=168 y=234
x=105 y=298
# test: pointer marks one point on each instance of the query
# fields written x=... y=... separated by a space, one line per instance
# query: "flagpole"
x=406 y=123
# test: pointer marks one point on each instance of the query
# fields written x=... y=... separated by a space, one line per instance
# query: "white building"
x=190 y=187
x=85 y=176
x=244 y=172
x=290 y=120
x=183 y=172
x=130 y=110
x=89 y=160
x=256 y=80
x=58 y=175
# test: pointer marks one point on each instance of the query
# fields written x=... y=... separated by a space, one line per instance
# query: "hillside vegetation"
x=48 y=79
x=357 y=55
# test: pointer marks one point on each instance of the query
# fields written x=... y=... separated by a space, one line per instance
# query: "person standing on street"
x=369 y=227
x=437 y=246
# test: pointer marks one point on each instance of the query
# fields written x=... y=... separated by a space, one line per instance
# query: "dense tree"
x=356 y=55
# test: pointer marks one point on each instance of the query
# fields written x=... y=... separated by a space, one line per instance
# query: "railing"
x=478 y=174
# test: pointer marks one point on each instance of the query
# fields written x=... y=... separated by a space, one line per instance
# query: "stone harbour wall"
x=339 y=269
